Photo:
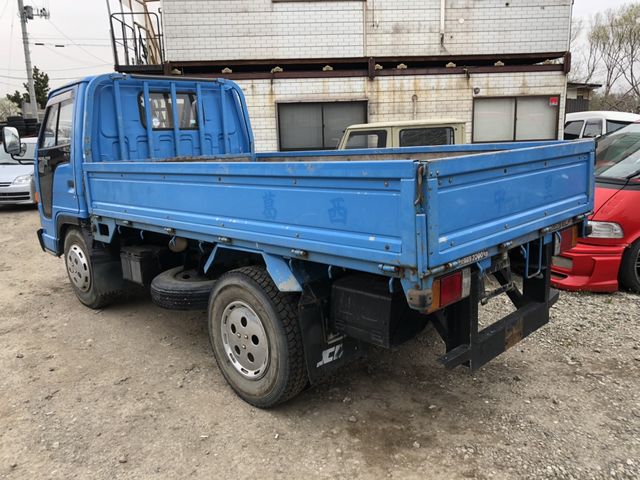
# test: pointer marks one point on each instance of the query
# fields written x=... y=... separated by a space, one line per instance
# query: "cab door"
x=55 y=171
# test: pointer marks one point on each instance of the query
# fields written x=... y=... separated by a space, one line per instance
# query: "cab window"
x=572 y=129
x=65 y=122
x=367 y=139
x=615 y=125
x=593 y=128
x=48 y=138
x=419 y=137
x=58 y=125
x=162 y=111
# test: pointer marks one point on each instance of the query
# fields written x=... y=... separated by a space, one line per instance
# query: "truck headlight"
x=22 y=179
x=605 y=230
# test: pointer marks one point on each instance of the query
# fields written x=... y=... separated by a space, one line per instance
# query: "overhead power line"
x=23 y=79
x=79 y=45
x=73 y=41
x=80 y=67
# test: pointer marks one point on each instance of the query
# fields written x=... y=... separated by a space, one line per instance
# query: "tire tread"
x=285 y=305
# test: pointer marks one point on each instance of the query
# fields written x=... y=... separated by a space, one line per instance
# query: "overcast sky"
x=82 y=27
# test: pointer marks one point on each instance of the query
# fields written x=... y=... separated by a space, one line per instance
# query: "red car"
x=609 y=257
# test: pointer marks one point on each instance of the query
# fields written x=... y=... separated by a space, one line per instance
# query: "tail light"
x=450 y=288
x=37 y=197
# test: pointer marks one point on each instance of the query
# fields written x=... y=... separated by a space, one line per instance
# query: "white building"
x=309 y=68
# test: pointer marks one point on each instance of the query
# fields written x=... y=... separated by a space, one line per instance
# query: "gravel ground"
x=133 y=392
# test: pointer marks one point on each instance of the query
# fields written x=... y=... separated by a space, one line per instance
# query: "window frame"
x=60 y=104
x=592 y=122
x=364 y=102
x=381 y=133
x=169 y=103
x=622 y=124
x=55 y=102
x=50 y=109
x=579 y=135
x=515 y=117
x=450 y=130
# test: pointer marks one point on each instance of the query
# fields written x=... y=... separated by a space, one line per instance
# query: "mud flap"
x=325 y=351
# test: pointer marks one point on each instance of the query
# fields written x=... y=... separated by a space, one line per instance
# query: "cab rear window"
x=419 y=137
x=162 y=111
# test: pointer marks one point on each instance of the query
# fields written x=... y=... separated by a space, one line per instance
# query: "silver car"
x=17 y=184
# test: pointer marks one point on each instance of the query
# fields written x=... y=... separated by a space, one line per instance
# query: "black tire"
x=629 y=276
x=95 y=275
x=284 y=375
x=180 y=289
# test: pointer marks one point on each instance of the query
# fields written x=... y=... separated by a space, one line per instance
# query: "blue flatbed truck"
x=303 y=259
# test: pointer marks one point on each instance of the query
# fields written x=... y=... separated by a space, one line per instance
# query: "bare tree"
x=610 y=54
x=629 y=31
x=605 y=40
x=586 y=59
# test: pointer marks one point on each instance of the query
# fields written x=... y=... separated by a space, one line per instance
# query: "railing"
x=136 y=42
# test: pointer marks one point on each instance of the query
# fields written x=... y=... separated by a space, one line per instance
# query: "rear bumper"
x=502 y=335
x=588 y=267
x=459 y=326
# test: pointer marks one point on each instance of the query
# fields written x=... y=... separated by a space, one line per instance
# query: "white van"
x=593 y=124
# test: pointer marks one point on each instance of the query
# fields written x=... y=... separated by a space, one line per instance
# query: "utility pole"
x=27 y=60
x=27 y=13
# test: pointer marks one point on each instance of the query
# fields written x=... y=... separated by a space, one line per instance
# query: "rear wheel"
x=96 y=277
x=256 y=337
x=630 y=269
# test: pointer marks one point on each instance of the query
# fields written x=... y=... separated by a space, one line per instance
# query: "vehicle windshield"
x=29 y=155
x=618 y=155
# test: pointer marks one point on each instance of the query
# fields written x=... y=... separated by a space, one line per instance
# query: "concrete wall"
x=270 y=29
x=391 y=98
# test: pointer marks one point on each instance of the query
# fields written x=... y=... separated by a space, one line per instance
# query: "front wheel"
x=95 y=276
x=256 y=337
x=630 y=269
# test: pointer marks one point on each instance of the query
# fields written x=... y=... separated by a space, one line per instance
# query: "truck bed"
x=433 y=206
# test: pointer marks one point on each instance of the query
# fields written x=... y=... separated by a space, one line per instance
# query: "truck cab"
x=414 y=133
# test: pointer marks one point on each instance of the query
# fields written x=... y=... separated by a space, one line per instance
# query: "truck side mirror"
x=12 y=144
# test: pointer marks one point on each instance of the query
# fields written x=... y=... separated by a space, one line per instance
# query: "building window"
x=317 y=126
x=508 y=119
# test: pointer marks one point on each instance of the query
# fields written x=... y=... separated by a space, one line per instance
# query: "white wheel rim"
x=245 y=340
x=79 y=268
